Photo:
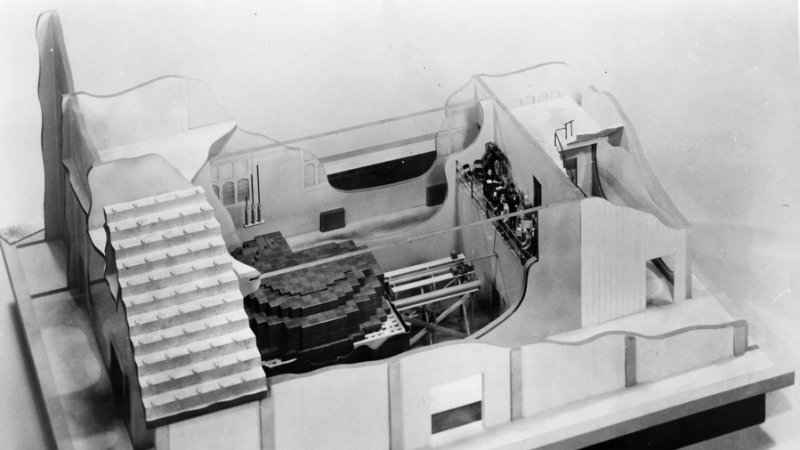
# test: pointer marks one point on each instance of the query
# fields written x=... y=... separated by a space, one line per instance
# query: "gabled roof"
x=192 y=344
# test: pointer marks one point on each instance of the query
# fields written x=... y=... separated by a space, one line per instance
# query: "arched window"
x=216 y=190
x=309 y=174
x=228 y=193
x=243 y=190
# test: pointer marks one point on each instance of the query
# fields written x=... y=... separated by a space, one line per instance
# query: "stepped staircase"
x=191 y=340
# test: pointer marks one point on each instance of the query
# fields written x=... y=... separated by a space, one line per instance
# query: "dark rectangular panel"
x=436 y=194
x=331 y=220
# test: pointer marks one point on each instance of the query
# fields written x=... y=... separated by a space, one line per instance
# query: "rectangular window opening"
x=456 y=409
x=456 y=417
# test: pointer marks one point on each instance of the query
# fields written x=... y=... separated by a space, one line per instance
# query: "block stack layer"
x=314 y=312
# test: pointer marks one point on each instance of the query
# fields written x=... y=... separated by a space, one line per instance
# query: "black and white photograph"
x=399 y=224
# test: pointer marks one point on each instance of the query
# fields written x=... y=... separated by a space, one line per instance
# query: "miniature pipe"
x=428 y=297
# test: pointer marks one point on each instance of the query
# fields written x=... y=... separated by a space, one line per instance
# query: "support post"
x=630 y=361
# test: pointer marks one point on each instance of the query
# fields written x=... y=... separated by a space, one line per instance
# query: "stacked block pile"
x=316 y=312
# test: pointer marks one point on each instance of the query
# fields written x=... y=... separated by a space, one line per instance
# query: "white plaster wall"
x=412 y=376
x=616 y=242
x=659 y=358
x=345 y=407
x=236 y=428
x=552 y=375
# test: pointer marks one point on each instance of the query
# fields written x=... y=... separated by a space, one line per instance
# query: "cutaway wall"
x=549 y=374
x=657 y=359
x=348 y=403
x=233 y=428
x=55 y=80
x=291 y=201
x=625 y=174
x=154 y=110
x=526 y=159
x=616 y=243
x=155 y=117
x=533 y=85
x=415 y=380
x=454 y=211
x=328 y=409
x=560 y=371
x=552 y=299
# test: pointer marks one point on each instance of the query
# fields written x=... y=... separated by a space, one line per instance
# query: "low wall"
x=661 y=358
x=551 y=374
x=548 y=375
x=396 y=403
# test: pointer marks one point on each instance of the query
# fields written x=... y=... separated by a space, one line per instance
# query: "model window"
x=555 y=94
x=228 y=193
x=214 y=175
x=309 y=174
x=243 y=190
x=541 y=97
x=216 y=190
x=225 y=171
x=457 y=404
x=381 y=174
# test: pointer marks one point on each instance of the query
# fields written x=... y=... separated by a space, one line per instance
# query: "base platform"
x=693 y=428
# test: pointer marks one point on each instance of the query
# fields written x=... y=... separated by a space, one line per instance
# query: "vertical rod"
x=258 y=177
x=258 y=187
x=253 y=203
x=246 y=210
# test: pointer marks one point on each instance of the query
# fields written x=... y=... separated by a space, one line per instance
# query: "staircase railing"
x=568 y=133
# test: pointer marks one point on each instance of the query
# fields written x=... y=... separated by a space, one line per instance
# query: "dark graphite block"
x=315 y=312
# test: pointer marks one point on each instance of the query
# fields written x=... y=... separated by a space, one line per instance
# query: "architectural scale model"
x=501 y=272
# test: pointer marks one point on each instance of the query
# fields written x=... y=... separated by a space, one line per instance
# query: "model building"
x=502 y=271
